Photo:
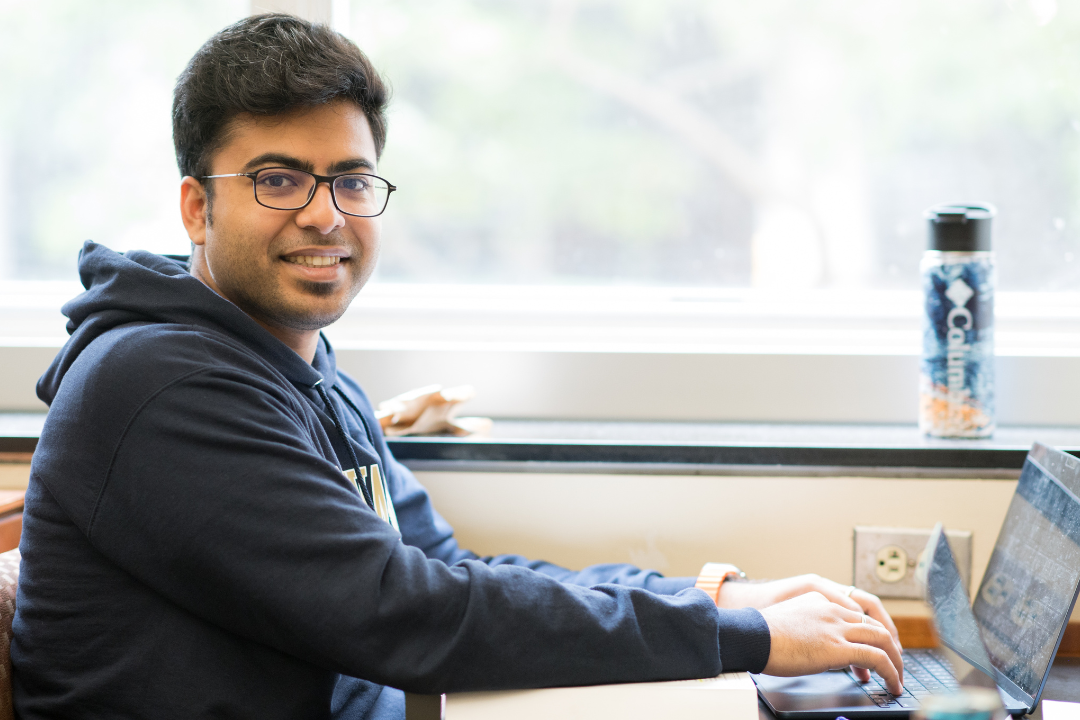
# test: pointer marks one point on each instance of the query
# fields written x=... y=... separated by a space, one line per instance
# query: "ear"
x=193 y=207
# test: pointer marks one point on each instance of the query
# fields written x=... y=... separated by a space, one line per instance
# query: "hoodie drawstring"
x=362 y=482
x=351 y=404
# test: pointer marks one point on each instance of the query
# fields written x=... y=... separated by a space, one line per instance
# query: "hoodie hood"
x=141 y=287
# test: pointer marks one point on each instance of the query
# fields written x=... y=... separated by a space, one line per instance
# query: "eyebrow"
x=278 y=159
x=341 y=166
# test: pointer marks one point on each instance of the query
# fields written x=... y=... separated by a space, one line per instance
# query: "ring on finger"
x=851 y=589
x=865 y=620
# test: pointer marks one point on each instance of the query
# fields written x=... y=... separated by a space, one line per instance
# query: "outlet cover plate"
x=869 y=540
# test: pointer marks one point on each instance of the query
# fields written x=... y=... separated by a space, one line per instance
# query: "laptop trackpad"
x=834 y=689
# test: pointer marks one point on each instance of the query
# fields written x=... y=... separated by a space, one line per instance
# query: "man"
x=214 y=524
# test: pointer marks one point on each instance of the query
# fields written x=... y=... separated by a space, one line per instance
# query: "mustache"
x=312 y=238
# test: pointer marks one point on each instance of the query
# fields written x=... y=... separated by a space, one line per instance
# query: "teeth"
x=313 y=260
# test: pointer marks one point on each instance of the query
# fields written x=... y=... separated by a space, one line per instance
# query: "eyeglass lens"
x=287 y=189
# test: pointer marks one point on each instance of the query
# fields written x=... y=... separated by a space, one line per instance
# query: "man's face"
x=291 y=270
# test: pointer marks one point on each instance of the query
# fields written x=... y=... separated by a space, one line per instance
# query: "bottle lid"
x=956 y=227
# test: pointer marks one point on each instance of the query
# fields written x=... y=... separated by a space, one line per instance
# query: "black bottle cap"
x=959 y=227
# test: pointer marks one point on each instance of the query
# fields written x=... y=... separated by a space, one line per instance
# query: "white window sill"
x=643 y=353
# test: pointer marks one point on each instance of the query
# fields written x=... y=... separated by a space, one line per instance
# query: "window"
x=692 y=176
x=85 y=128
x=724 y=143
x=686 y=143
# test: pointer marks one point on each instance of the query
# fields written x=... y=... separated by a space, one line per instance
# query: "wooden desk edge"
x=918 y=632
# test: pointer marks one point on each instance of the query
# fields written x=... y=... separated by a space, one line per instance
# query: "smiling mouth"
x=312 y=260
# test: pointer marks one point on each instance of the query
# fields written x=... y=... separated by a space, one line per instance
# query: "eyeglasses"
x=280 y=188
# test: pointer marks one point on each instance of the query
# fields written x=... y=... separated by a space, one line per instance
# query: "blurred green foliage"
x=515 y=168
x=85 y=129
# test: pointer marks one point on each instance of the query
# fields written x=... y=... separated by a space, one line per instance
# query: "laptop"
x=1007 y=637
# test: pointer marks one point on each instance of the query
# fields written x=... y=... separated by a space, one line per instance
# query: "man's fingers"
x=878 y=660
x=861 y=674
x=873 y=607
x=871 y=622
x=812 y=632
x=838 y=595
x=867 y=631
x=856 y=616
x=833 y=592
x=874 y=634
x=853 y=598
x=860 y=601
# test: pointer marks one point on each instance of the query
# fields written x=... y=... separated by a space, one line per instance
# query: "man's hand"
x=761 y=595
x=811 y=634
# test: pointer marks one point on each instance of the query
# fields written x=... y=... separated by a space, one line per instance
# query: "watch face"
x=725 y=571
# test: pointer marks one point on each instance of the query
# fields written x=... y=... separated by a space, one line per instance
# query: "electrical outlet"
x=885 y=559
x=890 y=564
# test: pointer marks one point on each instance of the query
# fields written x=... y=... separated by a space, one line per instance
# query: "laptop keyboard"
x=925 y=673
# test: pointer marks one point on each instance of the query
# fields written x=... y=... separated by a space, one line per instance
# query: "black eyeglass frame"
x=319 y=180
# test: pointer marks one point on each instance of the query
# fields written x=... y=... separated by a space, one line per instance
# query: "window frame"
x=624 y=353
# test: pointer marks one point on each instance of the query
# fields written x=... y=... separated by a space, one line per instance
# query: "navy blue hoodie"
x=192 y=549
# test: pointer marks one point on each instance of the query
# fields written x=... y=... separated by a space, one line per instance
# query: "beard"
x=288 y=303
x=265 y=301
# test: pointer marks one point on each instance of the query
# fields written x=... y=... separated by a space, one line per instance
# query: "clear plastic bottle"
x=956 y=383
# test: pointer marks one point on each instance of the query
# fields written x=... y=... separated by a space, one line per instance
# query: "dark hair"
x=268 y=65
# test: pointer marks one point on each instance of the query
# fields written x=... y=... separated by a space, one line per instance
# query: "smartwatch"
x=713 y=575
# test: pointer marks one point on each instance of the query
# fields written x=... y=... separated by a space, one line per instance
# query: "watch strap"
x=713 y=575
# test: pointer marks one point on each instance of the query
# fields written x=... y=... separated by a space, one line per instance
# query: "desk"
x=1063 y=684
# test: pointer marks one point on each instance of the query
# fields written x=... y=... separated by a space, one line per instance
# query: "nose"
x=321 y=214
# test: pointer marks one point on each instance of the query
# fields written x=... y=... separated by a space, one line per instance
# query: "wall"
x=14 y=476
x=770 y=527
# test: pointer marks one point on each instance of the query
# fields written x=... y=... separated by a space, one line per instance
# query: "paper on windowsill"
x=430 y=410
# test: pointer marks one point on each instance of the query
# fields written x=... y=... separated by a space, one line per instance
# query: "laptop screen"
x=1027 y=592
x=955 y=624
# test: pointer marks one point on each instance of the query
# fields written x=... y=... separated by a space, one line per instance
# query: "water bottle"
x=956 y=378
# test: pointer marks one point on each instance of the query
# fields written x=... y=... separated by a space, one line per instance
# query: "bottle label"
x=956 y=383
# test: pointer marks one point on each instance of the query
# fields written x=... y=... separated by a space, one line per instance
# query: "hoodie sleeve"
x=744 y=635
x=217 y=500
x=422 y=526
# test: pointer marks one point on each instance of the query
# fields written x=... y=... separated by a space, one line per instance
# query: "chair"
x=9 y=581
